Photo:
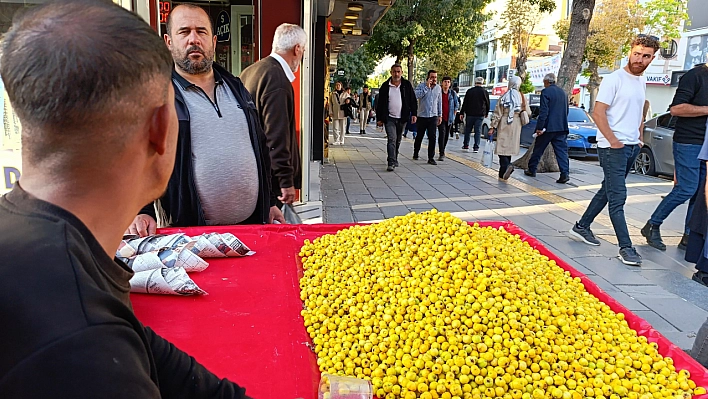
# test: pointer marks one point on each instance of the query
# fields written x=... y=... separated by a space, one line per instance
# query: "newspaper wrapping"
x=170 y=281
x=167 y=257
x=208 y=245
x=215 y=245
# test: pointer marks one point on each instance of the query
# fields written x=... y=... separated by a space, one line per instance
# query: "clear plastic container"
x=338 y=387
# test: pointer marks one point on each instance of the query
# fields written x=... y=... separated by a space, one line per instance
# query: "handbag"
x=488 y=154
x=524 y=116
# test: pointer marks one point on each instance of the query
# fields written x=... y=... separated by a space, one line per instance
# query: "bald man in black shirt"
x=99 y=140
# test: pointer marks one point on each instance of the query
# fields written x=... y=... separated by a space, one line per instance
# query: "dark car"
x=657 y=155
x=582 y=134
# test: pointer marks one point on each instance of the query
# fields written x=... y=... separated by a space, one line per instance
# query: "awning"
x=353 y=22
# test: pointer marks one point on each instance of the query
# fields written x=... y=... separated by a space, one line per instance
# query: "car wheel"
x=645 y=164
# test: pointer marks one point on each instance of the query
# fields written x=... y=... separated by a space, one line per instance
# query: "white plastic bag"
x=488 y=154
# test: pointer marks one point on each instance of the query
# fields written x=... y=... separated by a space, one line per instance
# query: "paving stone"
x=367 y=216
x=613 y=271
x=391 y=211
x=682 y=314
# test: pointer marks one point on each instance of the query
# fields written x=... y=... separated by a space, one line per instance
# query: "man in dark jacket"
x=690 y=105
x=222 y=170
x=395 y=103
x=270 y=83
x=475 y=108
x=552 y=127
x=99 y=140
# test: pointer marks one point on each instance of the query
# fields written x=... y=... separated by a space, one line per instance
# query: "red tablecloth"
x=249 y=328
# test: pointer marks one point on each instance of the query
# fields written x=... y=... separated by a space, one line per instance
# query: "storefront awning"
x=353 y=22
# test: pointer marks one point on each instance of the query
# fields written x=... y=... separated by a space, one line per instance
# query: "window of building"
x=482 y=53
x=503 y=72
x=491 y=74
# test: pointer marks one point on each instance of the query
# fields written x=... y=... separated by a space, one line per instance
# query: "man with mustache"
x=270 y=82
x=222 y=169
x=619 y=115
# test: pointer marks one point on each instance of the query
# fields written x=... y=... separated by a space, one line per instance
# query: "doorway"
x=243 y=51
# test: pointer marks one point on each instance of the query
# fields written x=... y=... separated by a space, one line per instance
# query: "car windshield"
x=578 y=115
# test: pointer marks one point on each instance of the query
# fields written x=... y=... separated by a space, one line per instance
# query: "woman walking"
x=507 y=123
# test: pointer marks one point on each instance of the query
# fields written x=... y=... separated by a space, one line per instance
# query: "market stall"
x=249 y=328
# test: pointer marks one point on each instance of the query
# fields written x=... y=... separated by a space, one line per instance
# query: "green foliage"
x=450 y=62
x=527 y=86
x=518 y=21
x=376 y=81
x=664 y=18
x=357 y=66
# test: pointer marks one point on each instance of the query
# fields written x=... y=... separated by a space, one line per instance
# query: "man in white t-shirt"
x=620 y=120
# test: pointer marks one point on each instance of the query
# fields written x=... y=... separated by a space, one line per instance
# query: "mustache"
x=193 y=49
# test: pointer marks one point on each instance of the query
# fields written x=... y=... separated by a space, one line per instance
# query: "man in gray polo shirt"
x=222 y=166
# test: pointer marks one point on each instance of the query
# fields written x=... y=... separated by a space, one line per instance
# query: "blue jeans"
x=560 y=146
x=476 y=122
x=689 y=171
x=616 y=164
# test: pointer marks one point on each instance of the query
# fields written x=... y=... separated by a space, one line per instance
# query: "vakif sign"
x=658 y=79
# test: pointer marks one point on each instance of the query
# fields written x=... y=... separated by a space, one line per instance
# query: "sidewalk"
x=357 y=188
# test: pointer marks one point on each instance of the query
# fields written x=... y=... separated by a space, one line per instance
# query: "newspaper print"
x=135 y=245
x=208 y=245
x=167 y=281
x=215 y=245
x=166 y=257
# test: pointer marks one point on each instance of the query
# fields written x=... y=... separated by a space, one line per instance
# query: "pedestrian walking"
x=349 y=107
x=270 y=83
x=696 y=243
x=364 y=109
x=507 y=124
x=552 y=128
x=474 y=109
x=222 y=134
x=690 y=105
x=458 y=120
x=429 y=94
x=103 y=135
x=395 y=102
x=619 y=117
x=339 y=118
x=450 y=106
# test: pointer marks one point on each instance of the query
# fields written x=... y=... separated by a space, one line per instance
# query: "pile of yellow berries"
x=427 y=306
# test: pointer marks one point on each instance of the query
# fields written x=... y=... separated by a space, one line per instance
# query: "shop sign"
x=658 y=79
x=223 y=27
x=165 y=8
x=340 y=72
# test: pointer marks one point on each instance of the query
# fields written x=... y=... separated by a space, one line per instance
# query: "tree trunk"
x=577 y=39
x=547 y=164
x=411 y=60
x=521 y=64
x=593 y=84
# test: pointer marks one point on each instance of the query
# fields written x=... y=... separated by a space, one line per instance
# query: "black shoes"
x=700 y=277
x=465 y=147
x=395 y=164
x=390 y=168
x=441 y=158
x=432 y=162
x=653 y=235
x=529 y=173
x=684 y=242
x=563 y=179
x=507 y=173
x=362 y=132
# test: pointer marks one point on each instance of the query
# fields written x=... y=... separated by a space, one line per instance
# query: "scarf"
x=512 y=98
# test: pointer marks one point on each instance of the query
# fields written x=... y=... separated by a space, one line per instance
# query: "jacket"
x=275 y=101
x=553 y=112
x=476 y=102
x=508 y=135
x=410 y=105
x=454 y=103
x=180 y=205
x=336 y=101
x=365 y=101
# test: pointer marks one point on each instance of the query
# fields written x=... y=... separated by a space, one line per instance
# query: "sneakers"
x=584 y=234
x=476 y=150
x=700 y=277
x=465 y=147
x=653 y=235
x=390 y=168
x=432 y=162
x=563 y=179
x=441 y=158
x=530 y=173
x=508 y=172
x=415 y=157
x=395 y=164
x=684 y=242
x=629 y=256
x=457 y=136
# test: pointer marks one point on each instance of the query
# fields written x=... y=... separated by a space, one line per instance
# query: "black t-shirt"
x=692 y=89
x=68 y=326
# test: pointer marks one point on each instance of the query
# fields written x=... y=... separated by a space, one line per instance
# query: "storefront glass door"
x=243 y=51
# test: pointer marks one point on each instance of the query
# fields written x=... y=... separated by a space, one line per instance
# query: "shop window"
x=503 y=72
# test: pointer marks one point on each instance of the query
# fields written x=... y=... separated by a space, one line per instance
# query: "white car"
x=487 y=122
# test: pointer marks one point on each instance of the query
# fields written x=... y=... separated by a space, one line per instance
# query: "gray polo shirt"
x=225 y=168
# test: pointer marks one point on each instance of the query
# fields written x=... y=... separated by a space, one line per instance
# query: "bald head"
x=73 y=90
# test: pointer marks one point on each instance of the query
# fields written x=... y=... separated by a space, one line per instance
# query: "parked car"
x=487 y=122
x=657 y=156
x=582 y=134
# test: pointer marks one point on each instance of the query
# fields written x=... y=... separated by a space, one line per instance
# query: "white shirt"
x=288 y=72
x=625 y=94
x=395 y=103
